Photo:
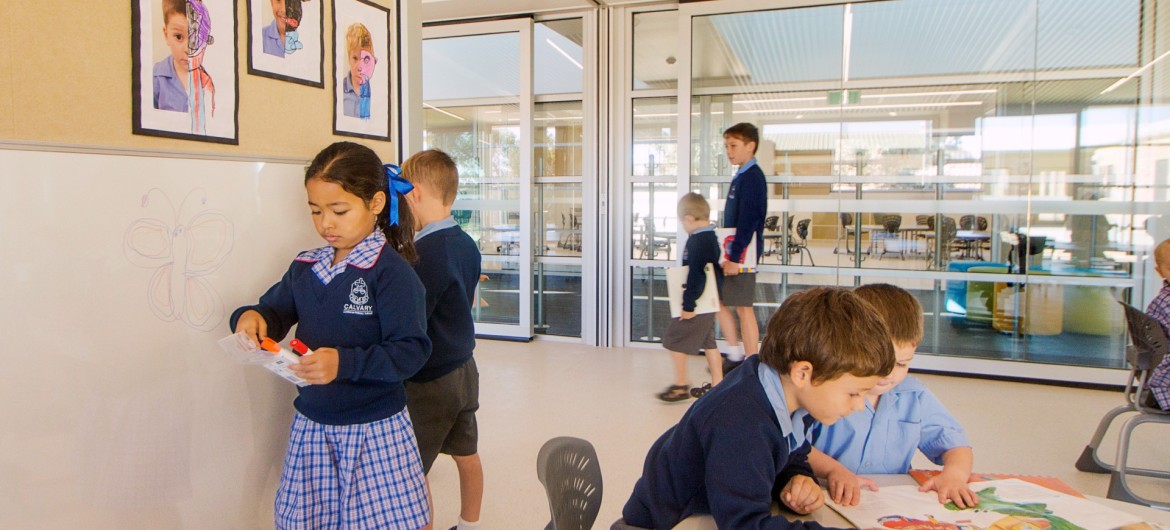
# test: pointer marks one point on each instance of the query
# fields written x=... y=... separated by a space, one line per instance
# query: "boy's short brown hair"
x=173 y=7
x=746 y=132
x=694 y=205
x=898 y=308
x=435 y=169
x=834 y=330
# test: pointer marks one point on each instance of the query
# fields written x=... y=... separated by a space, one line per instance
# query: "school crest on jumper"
x=359 y=296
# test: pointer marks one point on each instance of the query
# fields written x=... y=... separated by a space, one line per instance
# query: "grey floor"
x=536 y=391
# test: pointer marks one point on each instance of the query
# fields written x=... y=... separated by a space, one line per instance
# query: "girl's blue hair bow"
x=397 y=185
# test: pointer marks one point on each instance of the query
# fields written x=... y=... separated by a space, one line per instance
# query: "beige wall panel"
x=56 y=90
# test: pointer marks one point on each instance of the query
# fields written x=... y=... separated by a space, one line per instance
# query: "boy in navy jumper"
x=745 y=444
x=746 y=206
x=443 y=397
x=690 y=333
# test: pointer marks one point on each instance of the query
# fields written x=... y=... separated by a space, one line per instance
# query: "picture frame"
x=362 y=110
x=290 y=47
x=163 y=48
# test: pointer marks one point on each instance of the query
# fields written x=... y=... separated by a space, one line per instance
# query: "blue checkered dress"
x=352 y=477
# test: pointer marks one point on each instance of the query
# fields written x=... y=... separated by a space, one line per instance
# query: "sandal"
x=698 y=391
x=674 y=393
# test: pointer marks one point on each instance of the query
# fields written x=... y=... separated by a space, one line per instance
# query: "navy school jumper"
x=375 y=318
x=726 y=457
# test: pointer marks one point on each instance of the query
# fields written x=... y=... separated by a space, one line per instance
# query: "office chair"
x=772 y=235
x=890 y=225
x=1148 y=348
x=571 y=475
x=800 y=242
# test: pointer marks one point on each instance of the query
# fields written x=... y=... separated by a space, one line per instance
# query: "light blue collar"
x=708 y=228
x=770 y=380
x=431 y=228
x=746 y=166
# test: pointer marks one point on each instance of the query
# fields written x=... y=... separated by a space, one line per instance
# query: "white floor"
x=536 y=391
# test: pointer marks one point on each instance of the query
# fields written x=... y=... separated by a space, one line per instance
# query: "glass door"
x=477 y=93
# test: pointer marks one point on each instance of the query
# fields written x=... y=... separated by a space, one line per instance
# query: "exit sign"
x=851 y=97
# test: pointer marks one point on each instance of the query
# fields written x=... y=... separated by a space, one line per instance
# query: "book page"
x=1010 y=504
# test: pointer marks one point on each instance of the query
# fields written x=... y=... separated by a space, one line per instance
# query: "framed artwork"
x=286 y=40
x=361 y=69
x=184 y=79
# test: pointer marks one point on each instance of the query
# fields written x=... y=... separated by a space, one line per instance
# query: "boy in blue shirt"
x=745 y=444
x=900 y=415
x=690 y=333
x=745 y=209
x=444 y=395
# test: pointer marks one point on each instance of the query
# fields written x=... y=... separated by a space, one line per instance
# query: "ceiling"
x=443 y=10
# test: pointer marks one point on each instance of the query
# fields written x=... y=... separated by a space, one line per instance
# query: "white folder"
x=747 y=262
x=676 y=279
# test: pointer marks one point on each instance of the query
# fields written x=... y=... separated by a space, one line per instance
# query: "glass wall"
x=559 y=171
x=998 y=158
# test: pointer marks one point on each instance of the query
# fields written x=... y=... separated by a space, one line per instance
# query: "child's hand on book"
x=951 y=487
x=319 y=368
x=845 y=487
x=802 y=495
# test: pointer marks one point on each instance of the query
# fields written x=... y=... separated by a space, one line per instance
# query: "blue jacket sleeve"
x=277 y=306
x=404 y=348
x=740 y=482
x=696 y=276
x=753 y=205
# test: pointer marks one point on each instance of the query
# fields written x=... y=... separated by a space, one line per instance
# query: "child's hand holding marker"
x=254 y=325
x=318 y=366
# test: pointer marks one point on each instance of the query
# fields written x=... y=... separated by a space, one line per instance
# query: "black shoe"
x=674 y=393
x=729 y=365
x=697 y=392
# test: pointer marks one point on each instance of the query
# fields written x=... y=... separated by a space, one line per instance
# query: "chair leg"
x=810 y=258
x=1118 y=486
x=1089 y=461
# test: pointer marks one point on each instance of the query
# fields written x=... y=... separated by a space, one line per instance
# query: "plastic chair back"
x=802 y=229
x=571 y=475
x=1149 y=339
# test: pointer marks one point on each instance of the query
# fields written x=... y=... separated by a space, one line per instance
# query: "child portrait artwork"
x=361 y=69
x=286 y=41
x=184 y=78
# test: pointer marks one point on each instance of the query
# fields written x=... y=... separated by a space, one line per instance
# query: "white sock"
x=723 y=345
x=464 y=525
x=736 y=353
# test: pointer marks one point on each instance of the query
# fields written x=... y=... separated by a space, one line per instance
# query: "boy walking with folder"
x=691 y=332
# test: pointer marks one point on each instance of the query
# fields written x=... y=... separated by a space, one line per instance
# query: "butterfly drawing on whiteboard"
x=183 y=247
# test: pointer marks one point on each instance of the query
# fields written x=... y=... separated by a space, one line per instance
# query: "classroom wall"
x=65 y=78
x=124 y=256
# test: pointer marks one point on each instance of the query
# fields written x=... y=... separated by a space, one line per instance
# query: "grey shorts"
x=443 y=413
x=690 y=335
x=738 y=290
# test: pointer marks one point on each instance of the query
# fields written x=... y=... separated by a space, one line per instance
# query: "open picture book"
x=1010 y=504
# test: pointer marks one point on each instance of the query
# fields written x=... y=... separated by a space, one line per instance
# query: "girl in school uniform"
x=352 y=459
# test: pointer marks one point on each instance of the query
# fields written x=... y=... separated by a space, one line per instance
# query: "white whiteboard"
x=117 y=410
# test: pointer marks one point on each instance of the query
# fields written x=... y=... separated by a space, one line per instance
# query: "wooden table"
x=827 y=517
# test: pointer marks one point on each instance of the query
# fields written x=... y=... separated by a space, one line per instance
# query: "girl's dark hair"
x=358 y=170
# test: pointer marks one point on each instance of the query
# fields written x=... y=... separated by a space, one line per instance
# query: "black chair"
x=772 y=235
x=799 y=244
x=890 y=225
x=848 y=229
x=1149 y=346
x=944 y=239
x=571 y=475
x=648 y=243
